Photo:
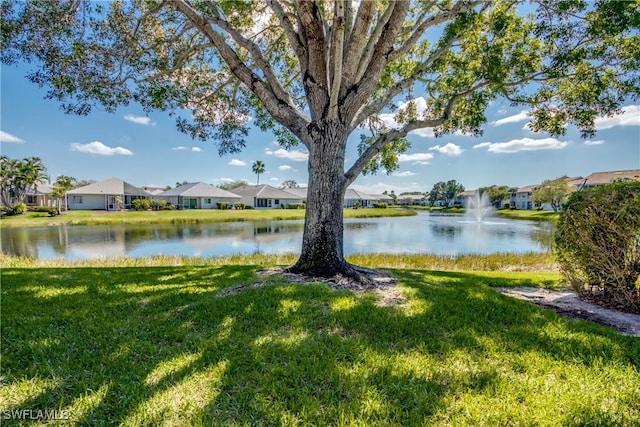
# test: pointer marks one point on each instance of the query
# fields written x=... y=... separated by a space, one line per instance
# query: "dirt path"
x=567 y=303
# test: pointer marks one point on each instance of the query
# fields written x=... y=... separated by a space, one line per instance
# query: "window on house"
x=207 y=201
x=76 y=200
x=276 y=201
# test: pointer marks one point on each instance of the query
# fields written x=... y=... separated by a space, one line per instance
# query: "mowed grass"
x=181 y=344
x=528 y=215
x=35 y=219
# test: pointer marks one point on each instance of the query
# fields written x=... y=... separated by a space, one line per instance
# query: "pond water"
x=426 y=232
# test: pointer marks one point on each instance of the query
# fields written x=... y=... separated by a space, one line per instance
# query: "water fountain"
x=479 y=206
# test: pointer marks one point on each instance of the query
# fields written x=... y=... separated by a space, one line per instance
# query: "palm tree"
x=258 y=168
x=60 y=188
x=32 y=173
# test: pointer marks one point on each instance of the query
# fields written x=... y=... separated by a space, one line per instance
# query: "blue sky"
x=148 y=150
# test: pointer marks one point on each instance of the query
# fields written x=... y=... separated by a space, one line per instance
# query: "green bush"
x=18 y=208
x=161 y=205
x=295 y=206
x=239 y=206
x=52 y=211
x=141 y=204
x=223 y=205
x=598 y=243
x=381 y=205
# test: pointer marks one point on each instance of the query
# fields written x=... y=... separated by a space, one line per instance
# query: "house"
x=354 y=198
x=266 y=196
x=463 y=198
x=40 y=196
x=383 y=198
x=600 y=178
x=299 y=192
x=197 y=195
x=523 y=197
x=413 y=200
x=111 y=194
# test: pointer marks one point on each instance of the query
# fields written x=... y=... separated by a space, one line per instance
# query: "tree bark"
x=322 y=241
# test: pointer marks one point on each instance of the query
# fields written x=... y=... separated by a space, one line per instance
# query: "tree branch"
x=280 y=110
x=392 y=135
x=368 y=109
x=311 y=26
x=337 y=47
x=357 y=40
x=422 y=27
x=256 y=54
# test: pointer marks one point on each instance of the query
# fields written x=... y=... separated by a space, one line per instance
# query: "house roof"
x=264 y=191
x=527 y=188
x=382 y=196
x=599 y=178
x=41 y=189
x=113 y=186
x=300 y=192
x=199 y=189
x=468 y=193
x=355 y=194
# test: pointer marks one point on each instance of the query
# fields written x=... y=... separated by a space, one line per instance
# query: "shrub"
x=239 y=205
x=141 y=204
x=598 y=243
x=161 y=205
x=18 y=208
x=223 y=205
x=295 y=206
x=52 y=211
x=381 y=205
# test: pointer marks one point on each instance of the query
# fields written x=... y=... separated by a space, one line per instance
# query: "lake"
x=427 y=232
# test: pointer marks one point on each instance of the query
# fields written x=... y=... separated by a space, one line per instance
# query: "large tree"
x=316 y=72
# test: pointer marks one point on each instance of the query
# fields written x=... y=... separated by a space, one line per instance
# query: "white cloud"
x=421 y=158
x=274 y=179
x=97 y=147
x=285 y=168
x=449 y=149
x=630 y=117
x=141 y=120
x=7 y=137
x=183 y=148
x=294 y=155
x=405 y=173
x=520 y=117
x=425 y=132
x=597 y=142
x=236 y=162
x=421 y=105
x=524 y=144
x=225 y=179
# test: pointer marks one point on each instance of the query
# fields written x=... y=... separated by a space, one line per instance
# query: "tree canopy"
x=552 y=191
x=315 y=72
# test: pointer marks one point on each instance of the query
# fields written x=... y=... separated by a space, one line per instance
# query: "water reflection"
x=424 y=233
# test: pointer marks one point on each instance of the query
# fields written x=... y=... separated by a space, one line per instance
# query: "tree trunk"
x=322 y=241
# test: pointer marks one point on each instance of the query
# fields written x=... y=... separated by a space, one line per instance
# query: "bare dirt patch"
x=567 y=303
x=381 y=283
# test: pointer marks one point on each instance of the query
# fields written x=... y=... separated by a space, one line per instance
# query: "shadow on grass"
x=152 y=345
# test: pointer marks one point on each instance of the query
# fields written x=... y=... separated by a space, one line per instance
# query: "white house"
x=198 y=195
x=600 y=178
x=266 y=196
x=353 y=198
x=111 y=194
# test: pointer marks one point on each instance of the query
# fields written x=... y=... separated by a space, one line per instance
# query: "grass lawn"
x=159 y=341
x=527 y=214
x=33 y=219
